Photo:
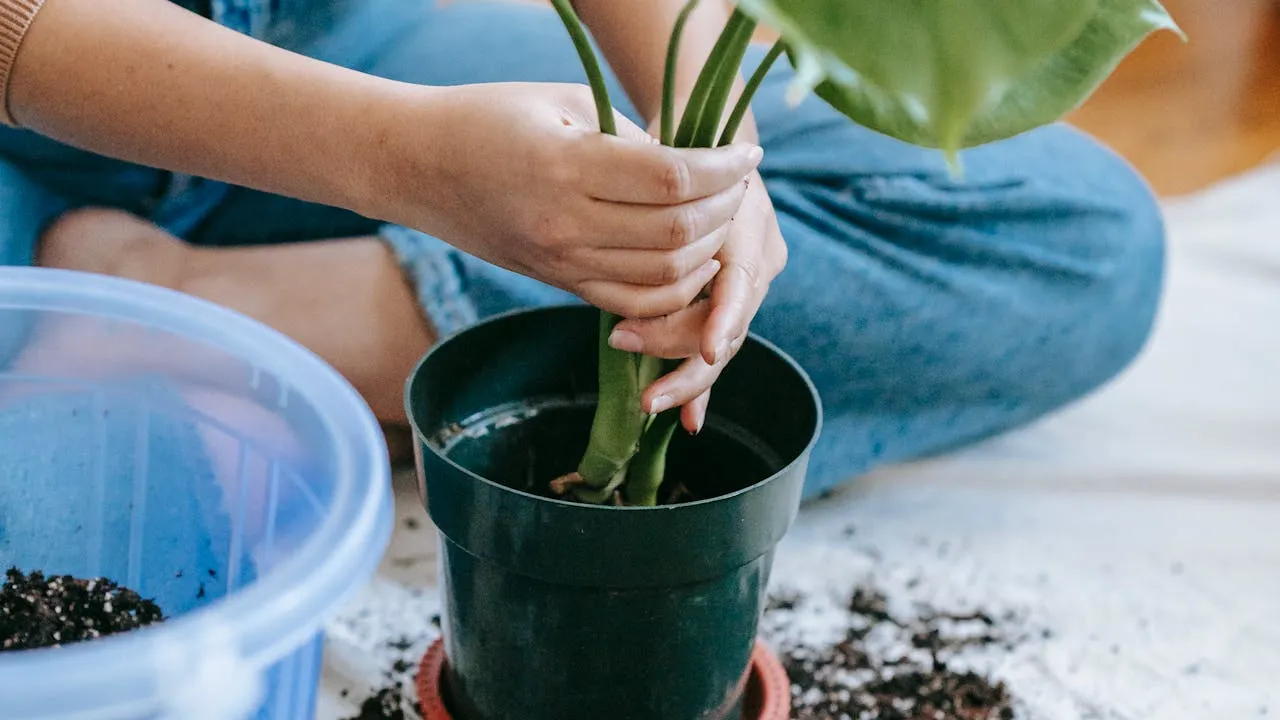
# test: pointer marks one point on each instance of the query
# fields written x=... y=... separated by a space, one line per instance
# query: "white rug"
x=1142 y=526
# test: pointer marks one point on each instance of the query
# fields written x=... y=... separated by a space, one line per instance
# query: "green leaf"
x=951 y=74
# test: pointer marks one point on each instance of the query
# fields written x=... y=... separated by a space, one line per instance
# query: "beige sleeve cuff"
x=15 y=18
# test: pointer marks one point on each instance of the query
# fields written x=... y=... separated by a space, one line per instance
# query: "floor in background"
x=1190 y=114
x=1138 y=526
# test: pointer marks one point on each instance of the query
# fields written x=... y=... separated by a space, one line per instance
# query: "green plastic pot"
x=559 y=611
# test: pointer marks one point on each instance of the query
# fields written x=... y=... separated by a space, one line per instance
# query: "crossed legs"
x=930 y=312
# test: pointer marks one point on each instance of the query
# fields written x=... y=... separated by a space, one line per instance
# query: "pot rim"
x=420 y=437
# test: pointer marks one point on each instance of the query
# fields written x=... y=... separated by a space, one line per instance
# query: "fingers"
x=707 y=328
x=648 y=267
x=624 y=171
x=735 y=299
x=687 y=382
x=643 y=301
x=694 y=415
x=664 y=227
x=672 y=337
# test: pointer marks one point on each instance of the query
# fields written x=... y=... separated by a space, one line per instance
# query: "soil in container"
x=525 y=446
x=42 y=612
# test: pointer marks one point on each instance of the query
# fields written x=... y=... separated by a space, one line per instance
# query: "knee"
x=1117 y=234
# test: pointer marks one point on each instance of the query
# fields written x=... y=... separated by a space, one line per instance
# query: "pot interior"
x=525 y=445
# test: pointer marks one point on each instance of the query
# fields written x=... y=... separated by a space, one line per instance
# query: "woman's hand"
x=519 y=175
x=709 y=332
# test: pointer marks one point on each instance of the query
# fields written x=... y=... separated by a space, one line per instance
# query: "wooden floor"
x=1189 y=114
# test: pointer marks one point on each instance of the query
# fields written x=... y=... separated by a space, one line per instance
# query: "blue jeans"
x=931 y=313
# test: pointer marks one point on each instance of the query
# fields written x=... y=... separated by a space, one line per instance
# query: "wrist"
x=401 y=143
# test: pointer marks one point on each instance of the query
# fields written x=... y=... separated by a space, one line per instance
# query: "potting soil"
x=396 y=698
x=386 y=704
x=890 y=667
x=863 y=637
x=860 y=654
x=39 y=612
x=395 y=628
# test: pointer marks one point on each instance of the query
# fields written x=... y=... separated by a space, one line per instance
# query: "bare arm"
x=633 y=35
x=516 y=174
x=149 y=82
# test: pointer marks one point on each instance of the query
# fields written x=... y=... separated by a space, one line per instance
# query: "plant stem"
x=753 y=85
x=627 y=448
x=704 y=135
x=599 y=90
x=706 y=79
x=667 y=134
x=648 y=468
x=597 y=496
x=619 y=420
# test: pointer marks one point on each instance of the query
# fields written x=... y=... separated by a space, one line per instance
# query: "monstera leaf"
x=951 y=74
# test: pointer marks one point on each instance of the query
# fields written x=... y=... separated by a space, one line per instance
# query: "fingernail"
x=755 y=155
x=625 y=341
x=701 y=419
x=722 y=350
x=659 y=404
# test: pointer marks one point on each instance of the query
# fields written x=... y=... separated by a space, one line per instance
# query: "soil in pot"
x=526 y=446
x=41 y=612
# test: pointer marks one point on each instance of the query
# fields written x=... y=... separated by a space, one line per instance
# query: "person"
x=367 y=176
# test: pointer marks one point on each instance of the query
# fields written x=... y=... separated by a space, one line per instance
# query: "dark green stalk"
x=704 y=135
x=667 y=134
x=749 y=92
x=649 y=467
x=627 y=448
x=706 y=79
x=599 y=496
x=619 y=420
x=698 y=127
x=599 y=90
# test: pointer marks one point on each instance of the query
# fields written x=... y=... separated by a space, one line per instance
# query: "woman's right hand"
x=516 y=174
x=519 y=175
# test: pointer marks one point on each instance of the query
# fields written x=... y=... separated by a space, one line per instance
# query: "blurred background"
x=1190 y=114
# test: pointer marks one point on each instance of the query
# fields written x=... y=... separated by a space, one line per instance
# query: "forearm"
x=633 y=36
x=148 y=82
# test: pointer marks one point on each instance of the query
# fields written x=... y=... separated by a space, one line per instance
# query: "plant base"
x=768 y=691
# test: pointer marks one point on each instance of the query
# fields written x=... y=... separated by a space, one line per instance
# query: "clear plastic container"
x=199 y=458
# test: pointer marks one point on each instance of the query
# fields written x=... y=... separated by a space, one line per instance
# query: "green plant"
x=942 y=74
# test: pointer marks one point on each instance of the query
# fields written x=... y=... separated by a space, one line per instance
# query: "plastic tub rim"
x=272 y=616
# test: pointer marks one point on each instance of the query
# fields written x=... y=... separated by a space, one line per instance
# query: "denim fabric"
x=931 y=313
